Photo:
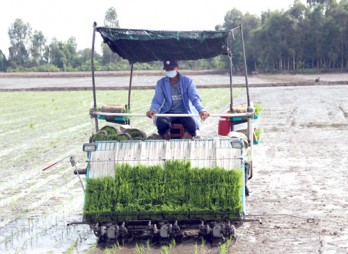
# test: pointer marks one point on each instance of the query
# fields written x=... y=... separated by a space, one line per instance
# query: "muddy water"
x=44 y=233
x=45 y=229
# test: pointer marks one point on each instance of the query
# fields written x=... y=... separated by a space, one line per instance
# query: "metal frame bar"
x=245 y=66
x=230 y=56
x=244 y=184
x=130 y=88
x=93 y=77
x=231 y=83
x=98 y=113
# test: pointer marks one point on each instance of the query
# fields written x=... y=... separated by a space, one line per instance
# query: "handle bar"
x=247 y=114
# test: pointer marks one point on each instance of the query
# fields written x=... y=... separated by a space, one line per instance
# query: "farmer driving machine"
x=142 y=187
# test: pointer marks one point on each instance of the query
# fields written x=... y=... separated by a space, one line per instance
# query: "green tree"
x=336 y=27
x=84 y=57
x=19 y=34
x=56 y=54
x=3 y=62
x=250 y=25
x=296 y=35
x=314 y=45
x=38 y=49
x=328 y=4
x=63 y=54
x=233 y=19
x=110 y=20
x=70 y=52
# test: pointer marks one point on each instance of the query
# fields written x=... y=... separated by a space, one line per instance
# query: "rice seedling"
x=72 y=248
x=174 y=189
x=139 y=249
x=258 y=108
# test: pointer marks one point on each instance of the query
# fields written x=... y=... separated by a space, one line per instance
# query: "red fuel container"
x=224 y=126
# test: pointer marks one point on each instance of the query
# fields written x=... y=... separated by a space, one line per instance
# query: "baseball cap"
x=169 y=64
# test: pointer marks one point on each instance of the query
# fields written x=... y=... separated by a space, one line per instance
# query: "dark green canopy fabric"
x=149 y=45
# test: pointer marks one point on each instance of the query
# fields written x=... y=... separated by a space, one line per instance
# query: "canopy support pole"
x=245 y=67
x=250 y=109
x=231 y=84
x=93 y=79
x=130 y=88
x=230 y=57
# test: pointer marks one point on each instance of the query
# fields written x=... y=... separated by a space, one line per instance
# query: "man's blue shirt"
x=162 y=101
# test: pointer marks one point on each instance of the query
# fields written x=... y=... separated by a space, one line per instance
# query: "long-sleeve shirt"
x=162 y=101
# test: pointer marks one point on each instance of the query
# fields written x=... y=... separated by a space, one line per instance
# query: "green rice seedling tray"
x=174 y=191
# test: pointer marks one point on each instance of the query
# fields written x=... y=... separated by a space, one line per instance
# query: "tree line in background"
x=304 y=38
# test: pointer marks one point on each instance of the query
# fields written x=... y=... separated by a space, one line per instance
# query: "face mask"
x=171 y=74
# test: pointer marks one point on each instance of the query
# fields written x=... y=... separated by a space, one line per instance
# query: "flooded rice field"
x=299 y=189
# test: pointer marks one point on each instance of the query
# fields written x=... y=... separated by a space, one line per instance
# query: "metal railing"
x=99 y=113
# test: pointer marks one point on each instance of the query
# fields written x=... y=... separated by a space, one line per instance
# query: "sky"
x=63 y=19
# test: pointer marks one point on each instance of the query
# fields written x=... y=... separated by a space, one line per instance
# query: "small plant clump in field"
x=176 y=190
x=257 y=133
x=258 y=108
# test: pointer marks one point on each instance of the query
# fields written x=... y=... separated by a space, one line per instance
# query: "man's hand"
x=204 y=115
x=150 y=113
